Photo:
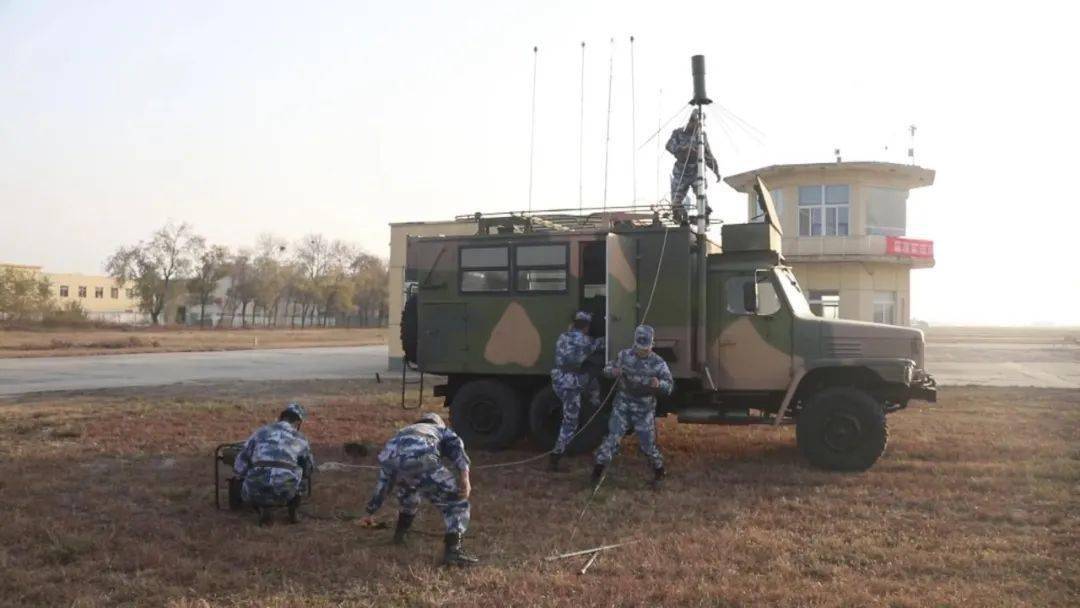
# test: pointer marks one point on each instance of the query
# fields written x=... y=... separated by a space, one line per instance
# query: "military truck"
x=731 y=321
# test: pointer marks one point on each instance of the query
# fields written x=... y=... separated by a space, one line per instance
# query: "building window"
x=825 y=304
x=131 y=294
x=885 y=307
x=63 y=291
x=540 y=268
x=886 y=211
x=824 y=210
x=484 y=269
x=114 y=293
x=82 y=291
x=99 y=292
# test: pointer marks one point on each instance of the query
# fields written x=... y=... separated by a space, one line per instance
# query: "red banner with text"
x=913 y=248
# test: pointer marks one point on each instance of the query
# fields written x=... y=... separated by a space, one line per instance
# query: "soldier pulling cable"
x=569 y=379
x=412 y=461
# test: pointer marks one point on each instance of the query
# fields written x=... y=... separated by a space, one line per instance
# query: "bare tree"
x=242 y=279
x=212 y=266
x=155 y=266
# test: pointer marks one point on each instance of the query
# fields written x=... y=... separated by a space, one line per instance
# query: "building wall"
x=857 y=283
x=93 y=284
x=399 y=234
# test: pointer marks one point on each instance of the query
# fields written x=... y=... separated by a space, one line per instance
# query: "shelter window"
x=824 y=210
x=484 y=269
x=825 y=304
x=886 y=211
x=114 y=293
x=82 y=291
x=885 y=307
x=63 y=291
x=540 y=268
x=768 y=299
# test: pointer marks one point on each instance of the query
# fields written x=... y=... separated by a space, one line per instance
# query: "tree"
x=370 y=274
x=242 y=278
x=155 y=266
x=211 y=266
x=24 y=294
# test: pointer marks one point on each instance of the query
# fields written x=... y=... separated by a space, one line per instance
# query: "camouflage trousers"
x=268 y=487
x=623 y=418
x=571 y=410
x=681 y=183
x=440 y=487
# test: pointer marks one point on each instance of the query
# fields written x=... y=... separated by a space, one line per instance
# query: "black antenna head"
x=697 y=68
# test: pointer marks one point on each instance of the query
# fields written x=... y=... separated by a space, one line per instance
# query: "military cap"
x=297 y=410
x=581 y=315
x=432 y=418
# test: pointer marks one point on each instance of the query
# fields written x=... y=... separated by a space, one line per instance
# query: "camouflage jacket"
x=571 y=350
x=277 y=443
x=415 y=451
x=635 y=378
x=682 y=146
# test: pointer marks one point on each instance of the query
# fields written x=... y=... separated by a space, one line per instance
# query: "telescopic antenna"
x=532 y=130
x=581 y=136
x=633 y=121
x=607 y=133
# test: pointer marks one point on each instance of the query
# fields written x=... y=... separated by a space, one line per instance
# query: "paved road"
x=1053 y=366
x=111 y=371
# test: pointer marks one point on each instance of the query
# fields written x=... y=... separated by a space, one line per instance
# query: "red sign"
x=912 y=248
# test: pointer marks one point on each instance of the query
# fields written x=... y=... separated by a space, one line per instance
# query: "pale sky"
x=251 y=117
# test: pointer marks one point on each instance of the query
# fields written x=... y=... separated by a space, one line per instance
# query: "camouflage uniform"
x=635 y=399
x=569 y=381
x=274 y=463
x=682 y=146
x=412 y=460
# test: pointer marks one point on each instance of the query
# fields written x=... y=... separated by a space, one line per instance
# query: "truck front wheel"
x=545 y=418
x=487 y=414
x=842 y=429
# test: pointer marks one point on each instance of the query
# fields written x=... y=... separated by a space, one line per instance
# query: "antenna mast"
x=532 y=129
x=697 y=68
x=911 y=148
x=633 y=121
x=607 y=134
x=581 y=136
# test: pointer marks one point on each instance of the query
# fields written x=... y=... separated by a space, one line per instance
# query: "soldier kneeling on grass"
x=640 y=375
x=274 y=463
x=412 y=461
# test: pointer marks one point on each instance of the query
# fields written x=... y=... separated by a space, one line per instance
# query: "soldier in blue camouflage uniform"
x=640 y=375
x=683 y=146
x=412 y=461
x=569 y=380
x=274 y=464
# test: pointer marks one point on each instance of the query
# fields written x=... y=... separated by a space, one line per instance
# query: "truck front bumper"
x=923 y=387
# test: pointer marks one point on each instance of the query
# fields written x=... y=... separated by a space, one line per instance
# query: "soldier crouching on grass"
x=640 y=375
x=569 y=380
x=412 y=460
x=273 y=464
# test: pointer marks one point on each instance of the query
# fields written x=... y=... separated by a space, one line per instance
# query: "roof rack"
x=572 y=219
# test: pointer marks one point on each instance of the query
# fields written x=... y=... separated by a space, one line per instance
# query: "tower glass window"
x=824 y=210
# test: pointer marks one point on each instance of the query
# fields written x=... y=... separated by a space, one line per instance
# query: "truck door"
x=751 y=347
x=621 y=293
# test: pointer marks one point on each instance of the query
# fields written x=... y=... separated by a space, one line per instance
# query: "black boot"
x=404 y=522
x=265 y=515
x=454 y=555
x=597 y=474
x=294 y=514
x=658 y=474
x=553 y=462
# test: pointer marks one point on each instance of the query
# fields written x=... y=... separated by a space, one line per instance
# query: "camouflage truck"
x=487 y=310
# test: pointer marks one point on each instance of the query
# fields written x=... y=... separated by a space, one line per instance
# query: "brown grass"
x=106 y=500
x=63 y=342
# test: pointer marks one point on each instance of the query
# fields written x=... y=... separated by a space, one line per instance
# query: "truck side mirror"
x=750 y=296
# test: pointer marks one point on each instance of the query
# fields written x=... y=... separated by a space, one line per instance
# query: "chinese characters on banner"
x=913 y=248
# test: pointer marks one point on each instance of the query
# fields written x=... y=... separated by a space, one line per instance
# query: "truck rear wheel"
x=487 y=414
x=842 y=429
x=545 y=418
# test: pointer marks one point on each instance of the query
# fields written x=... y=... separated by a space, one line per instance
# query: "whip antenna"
x=581 y=135
x=607 y=133
x=633 y=121
x=532 y=129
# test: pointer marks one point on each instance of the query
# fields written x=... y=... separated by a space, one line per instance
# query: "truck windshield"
x=794 y=293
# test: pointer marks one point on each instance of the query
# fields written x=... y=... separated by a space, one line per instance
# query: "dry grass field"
x=97 y=341
x=106 y=500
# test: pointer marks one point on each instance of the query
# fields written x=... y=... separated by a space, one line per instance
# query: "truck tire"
x=410 y=329
x=545 y=418
x=487 y=414
x=842 y=429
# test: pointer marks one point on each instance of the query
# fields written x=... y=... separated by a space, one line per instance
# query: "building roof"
x=914 y=175
x=19 y=266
